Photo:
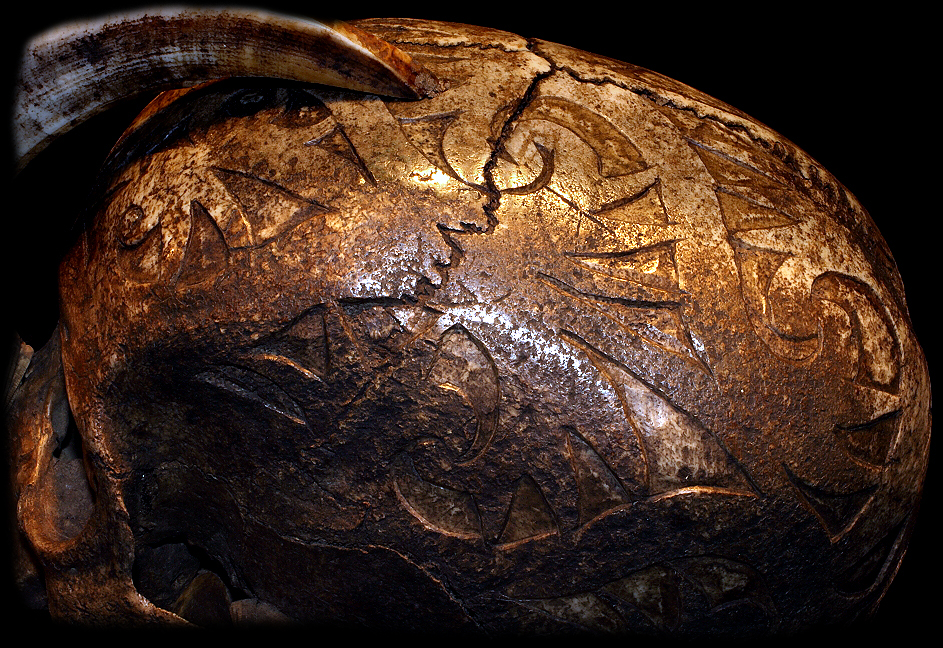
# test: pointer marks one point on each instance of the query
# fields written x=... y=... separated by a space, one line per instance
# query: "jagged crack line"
x=405 y=42
x=494 y=203
x=664 y=101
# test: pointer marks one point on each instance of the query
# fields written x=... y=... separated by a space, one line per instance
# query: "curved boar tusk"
x=75 y=71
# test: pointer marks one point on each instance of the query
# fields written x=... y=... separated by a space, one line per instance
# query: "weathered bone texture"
x=569 y=346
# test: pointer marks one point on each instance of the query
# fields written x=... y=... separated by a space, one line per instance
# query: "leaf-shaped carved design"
x=442 y=509
x=206 y=250
x=869 y=443
x=868 y=571
x=680 y=451
x=268 y=208
x=665 y=594
x=837 y=511
x=600 y=489
x=464 y=366
x=653 y=590
x=726 y=582
x=254 y=387
x=529 y=515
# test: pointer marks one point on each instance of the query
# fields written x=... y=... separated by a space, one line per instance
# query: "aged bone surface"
x=567 y=346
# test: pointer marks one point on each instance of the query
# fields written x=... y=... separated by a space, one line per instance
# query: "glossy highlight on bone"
x=70 y=73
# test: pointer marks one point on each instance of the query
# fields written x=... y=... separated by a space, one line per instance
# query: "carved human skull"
x=567 y=345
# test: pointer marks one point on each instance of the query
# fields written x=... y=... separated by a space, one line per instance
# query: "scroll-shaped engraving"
x=615 y=154
x=751 y=199
x=441 y=509
x=140 y=249
x=542 y=179
x=757 y=267
x=464 y=366
x=566 y=144
x=140 y=245
x=879 y=353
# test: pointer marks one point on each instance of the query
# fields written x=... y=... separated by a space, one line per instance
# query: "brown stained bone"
x=566 y=347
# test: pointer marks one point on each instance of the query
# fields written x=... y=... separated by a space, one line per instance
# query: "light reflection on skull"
x=537 y=353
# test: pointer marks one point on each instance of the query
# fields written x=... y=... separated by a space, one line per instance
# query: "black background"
x=854 y=90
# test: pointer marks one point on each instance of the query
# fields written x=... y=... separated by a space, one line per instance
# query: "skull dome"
x=566 y=345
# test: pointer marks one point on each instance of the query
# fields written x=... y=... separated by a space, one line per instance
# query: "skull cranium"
x=485 y=360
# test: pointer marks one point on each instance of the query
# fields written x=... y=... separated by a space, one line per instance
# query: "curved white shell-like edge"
x=74 y=71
